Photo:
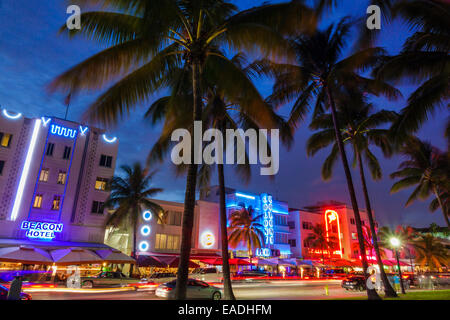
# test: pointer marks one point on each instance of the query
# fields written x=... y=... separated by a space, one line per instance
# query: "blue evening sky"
x=32 y=54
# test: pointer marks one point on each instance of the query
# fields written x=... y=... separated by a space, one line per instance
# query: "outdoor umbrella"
x=240 y=262
x=69 y=256
x=114 y=256
x=25 y=255
x=234 y=261
x=388 y=263
x=212 y=261
x=150 y=261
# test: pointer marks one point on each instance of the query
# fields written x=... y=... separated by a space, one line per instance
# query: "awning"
x=149 y=261
x=173 y=262
x=26 y=255
x=114 y=256
x=70 y=256
x=287 y=262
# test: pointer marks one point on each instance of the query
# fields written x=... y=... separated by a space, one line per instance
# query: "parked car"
x=107 y=279
x=354 y=282
x=196 y=289
x=161 y=277
x=207 y=274
x=4 y=294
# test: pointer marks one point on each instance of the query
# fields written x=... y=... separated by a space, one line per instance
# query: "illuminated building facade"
x=53 y=175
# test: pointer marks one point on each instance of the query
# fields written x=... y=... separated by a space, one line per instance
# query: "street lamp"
x=395 y=243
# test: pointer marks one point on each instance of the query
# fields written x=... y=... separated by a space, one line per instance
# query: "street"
x=283 y=290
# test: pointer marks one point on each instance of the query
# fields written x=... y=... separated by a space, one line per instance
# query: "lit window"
x=162 y=217
x=174 y=218
x=56 y=202
x=2 y=165
x=5 y=139
x=37 y=203
x=43 y=177
x=100 y=184
x=62 y=177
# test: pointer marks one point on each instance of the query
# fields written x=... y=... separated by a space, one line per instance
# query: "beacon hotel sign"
x=41 y=230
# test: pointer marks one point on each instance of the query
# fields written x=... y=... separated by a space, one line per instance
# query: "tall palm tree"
x=426 y=168
x=226 y=107
x=245 y=227
x=320 y=72
x=430 y=252
x=318 y=239
x=424 y=59
x=405 y=234
x=130 y=196
x=148 y=39
x=360 y=129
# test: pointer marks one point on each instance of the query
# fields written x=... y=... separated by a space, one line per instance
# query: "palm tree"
x=318 y=239
x=360 y=128
x=405 y=234
x=149 y=39
x=426 y=168
x=226 y=107
x=130 y=196
x=320 y=73
x=424 y=59
x=430 y=252
x=245 y=227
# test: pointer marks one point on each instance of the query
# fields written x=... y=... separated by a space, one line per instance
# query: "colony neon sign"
x=267 y=224
x=63 y=131
x=332 y=217
x=41 y=230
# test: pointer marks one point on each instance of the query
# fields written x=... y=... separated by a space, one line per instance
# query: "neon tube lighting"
x=45 y=121
x=10 y=116
x=83 y=130
x=244 y=196
x=338 y=227
x=109 y=140
x=26 y=169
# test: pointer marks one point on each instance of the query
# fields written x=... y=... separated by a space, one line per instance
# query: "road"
x=285 y=290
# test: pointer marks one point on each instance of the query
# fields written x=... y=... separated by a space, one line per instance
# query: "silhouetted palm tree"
x=430 y=252
x=360 y=129
x=149 y=39
x=130 y=197
x=426 y=168
x=245 y=227
x=318 y=239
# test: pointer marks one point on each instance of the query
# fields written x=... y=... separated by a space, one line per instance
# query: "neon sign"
x=11 y=116
x=41 y=230
x=63 y=131
x=263 y=252
x=112 y=140
x=332 y=217
x=144 y=246
x=267 y=224
x=207 y=239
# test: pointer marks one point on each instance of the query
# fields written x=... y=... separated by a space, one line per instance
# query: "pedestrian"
x=15 y=289
x=397 y=283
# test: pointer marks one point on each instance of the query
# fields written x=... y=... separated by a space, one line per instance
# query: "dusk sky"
x=32 y=54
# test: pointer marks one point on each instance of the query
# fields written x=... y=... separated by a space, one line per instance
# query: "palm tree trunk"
x=133 y=249
x=388 y=290
x=371 y=293
x=189 y=199
x=227 y=289
x=438 y=197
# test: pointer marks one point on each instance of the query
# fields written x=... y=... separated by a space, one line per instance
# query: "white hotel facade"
x=53 y=174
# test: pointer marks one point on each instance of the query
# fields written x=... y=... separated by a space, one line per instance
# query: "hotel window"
x=50 y=147
x=105 y=161
x=281 y=237
x=291 y=225
x=100 y=184
x=352 y=220
x=37 y=203
x=66 y=154
x=305 y=243
x=292 y=243
x=98 y=207
x=281 y=220
x=162 y=217
x=43 y=177
x=62 y=177
x=56 y=202
x=167 y=241
x=5 y=139
x=174 y=218
x=2 y=165
x=354 y=236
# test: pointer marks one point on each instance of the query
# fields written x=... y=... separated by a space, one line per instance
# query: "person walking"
x=15 y=289
x=397 y=283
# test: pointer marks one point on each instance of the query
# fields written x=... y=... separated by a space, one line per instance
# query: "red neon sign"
x=332 y=216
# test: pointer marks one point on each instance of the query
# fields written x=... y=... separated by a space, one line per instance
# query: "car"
x=4 y=294
x=161 y=277
x=354 y=282
x=251 y=274
x=207 y=274
x=107 y=279
x=196 y=289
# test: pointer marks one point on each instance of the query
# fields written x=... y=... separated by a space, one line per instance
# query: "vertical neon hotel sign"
x=267 y=224
x=332 y=218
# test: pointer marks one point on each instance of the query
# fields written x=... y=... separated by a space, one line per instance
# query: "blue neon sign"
x=63 y=131
x=267 y=207
x=41 y=230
